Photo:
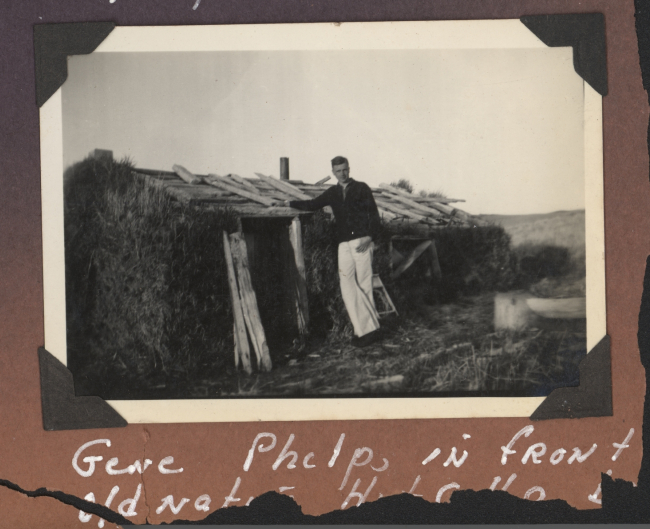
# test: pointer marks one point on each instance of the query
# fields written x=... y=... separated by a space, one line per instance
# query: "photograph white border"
x=483 y=34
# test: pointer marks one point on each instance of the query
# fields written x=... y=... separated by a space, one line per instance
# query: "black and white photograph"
x=325 y=223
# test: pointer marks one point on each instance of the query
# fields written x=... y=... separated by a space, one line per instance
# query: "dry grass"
x=144 y=279
x=455 y=351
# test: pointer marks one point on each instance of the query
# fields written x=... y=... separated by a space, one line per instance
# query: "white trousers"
x=355 y=274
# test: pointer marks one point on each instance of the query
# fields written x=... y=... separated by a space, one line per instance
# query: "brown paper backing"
x=212 y=455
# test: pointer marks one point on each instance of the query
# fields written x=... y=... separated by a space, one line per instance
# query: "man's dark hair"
x=339 y=160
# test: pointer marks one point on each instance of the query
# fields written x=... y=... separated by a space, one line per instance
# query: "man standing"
x=357 y=224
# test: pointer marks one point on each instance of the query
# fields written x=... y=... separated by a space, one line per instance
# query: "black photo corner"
x=622 y=502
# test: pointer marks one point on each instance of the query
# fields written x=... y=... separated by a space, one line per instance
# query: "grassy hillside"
x=560 y=228
x=552 y=242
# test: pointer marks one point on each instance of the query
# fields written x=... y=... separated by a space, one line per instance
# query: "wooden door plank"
x=242 y=350
x=302 y=306
x=249 y=301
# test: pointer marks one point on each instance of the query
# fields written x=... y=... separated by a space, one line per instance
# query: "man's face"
x=342 y=172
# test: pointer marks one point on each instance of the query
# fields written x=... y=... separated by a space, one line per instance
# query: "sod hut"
x=267 y=271
x=168 y=272
x=270 y=239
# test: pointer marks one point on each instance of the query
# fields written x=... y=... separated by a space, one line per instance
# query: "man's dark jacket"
x=356 y=215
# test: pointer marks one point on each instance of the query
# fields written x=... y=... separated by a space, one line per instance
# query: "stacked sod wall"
x=146 y=285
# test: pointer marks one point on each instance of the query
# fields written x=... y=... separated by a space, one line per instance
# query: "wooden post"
x=284 y=168
x=437 y=273
x=186 y=175
x=242 y=350
x=322 y=181
x=411 y=259
x=300 y=288
x=249 y=302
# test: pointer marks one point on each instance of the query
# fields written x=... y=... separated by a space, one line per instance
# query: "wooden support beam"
x=279 y=195
x=439 y=200
x=186 y=175
x=310 y=187
x=232 y=201
x=430 y=212
x=388 y=215
x=420 y=248
x=249 y=302
x=253 y=210
x=313 y=192
x=156 y=172
x=244 y=183
x=300 y=283
x=206 y=190
x=443 y=208
x=284 y=186
x=233 y=182
x=401 y=211
x=418 y=198
x=322 y=181
x=242 y=351
x=437 y=272
x=223 y=183
x=270 y=191
x=203 y=192
x=447 y=210
x=419 y=208
x=395 y=257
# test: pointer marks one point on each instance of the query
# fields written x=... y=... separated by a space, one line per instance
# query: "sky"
x=501 y=129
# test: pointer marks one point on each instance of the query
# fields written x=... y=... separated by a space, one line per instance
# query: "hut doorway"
x=274 y=247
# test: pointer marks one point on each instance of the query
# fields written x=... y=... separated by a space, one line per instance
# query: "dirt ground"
x=447 y=349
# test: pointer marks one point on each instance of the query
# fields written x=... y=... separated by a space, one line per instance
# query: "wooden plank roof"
x=258 y=197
